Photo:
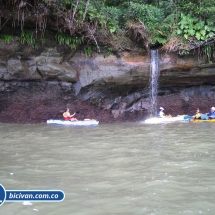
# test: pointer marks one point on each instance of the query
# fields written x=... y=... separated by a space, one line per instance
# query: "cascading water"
x=154 y=75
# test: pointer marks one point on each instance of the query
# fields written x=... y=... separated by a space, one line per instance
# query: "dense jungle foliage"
x=174 y=25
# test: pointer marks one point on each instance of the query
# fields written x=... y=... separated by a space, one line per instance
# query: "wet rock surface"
x=36 y=85
x=36 y=103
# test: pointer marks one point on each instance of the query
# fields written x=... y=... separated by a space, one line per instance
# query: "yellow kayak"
x=202 y=120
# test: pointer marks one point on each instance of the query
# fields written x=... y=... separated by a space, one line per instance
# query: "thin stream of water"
x=154 y=76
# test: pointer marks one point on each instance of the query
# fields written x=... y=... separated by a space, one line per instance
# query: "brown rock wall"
x=38 y=85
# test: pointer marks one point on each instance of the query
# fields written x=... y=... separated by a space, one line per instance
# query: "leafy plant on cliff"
x=109 y=22
x=7 y=38
x=88 y=50
x=65 y=39
x=27 y=37
x=151 y=17
x=208 y=52
x=193 y=27
x=110 y=18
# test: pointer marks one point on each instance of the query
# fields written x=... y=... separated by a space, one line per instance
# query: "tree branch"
x=209 y=41
x=4 y=23
x=74 y=12
x=94 y=39
x=85 y=12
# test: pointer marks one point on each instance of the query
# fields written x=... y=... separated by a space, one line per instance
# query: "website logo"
x=30 y=195
x=2 y=195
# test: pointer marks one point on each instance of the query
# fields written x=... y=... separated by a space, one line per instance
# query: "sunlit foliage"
x=97 y=23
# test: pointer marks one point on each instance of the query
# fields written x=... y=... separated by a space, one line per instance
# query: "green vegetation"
x=27 y=37
x=88 y=50
x=6 y=38
x=194 y=27
x=176 y=25
x=65 y=39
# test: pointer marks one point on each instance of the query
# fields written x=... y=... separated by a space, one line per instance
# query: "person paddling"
x=198 y=114
x=212 y=113
x=67 y=116
x=161 y=112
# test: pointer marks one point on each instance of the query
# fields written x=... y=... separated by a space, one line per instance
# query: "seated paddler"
x=67 y=116
x=160 y=112
x=198 y=114
x=212 y=113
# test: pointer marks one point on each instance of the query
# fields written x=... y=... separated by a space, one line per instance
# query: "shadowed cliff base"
x=35 y=102
x=31 y=104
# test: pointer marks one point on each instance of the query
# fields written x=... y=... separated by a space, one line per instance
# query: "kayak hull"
x=156 y=120
x=65 y=122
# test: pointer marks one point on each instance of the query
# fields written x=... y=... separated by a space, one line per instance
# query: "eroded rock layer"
x=36 y=85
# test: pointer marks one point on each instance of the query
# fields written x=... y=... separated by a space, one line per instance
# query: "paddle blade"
x=187 y=117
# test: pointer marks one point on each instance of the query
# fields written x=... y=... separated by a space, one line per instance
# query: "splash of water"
x=154 y=75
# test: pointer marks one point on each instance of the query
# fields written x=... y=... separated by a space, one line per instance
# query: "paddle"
x=187 y=117
x=204 y=117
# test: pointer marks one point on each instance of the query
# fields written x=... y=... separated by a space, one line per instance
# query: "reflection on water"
x=127 y=169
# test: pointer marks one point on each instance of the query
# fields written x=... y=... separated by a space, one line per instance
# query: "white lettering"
x=28 y=195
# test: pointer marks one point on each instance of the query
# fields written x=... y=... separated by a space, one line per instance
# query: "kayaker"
x=67 y=116
x=212 y=113
x=198 y=114
x=160 y=112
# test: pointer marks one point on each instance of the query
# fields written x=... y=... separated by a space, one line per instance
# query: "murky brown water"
x=115 y=169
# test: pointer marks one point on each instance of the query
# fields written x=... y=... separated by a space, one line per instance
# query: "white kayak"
x=165 y=119
x=67 y=122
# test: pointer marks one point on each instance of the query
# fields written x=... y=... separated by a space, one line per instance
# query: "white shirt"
x=161 y=114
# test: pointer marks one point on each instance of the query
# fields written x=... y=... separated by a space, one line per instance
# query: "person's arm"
x=73 y=115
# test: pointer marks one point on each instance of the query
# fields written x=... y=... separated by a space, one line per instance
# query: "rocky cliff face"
x=36 y=85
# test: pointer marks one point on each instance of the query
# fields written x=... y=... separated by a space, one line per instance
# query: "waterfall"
x=154 y=75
